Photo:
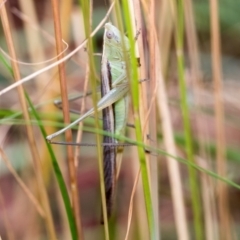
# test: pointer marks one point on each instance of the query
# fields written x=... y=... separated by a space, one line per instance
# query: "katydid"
x=114 y=103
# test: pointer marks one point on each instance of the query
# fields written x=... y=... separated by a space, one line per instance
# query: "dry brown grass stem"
x=30 y=134
x=223 y=208
x=66 y=116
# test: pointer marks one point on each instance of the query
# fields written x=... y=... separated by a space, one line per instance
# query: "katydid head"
x=113 y=37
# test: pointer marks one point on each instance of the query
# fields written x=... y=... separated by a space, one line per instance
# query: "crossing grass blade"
x=59 y=176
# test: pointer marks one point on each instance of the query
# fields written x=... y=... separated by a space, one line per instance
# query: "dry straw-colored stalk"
x=64 y=94
x=30 y=134
x=159 y=90
x=223 y=201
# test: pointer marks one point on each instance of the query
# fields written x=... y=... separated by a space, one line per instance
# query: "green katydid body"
x=119 y=80
x=109 y=151
x=113 y=52
x=114 y=117
x=114 y=98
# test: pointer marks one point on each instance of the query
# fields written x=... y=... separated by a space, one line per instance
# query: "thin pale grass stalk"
x=152 y=121
x=65 y=105
x=22 y=184
x=223 y=206
x=195 y=197
x=208 y=202
x=31 y=23
x=82 y=109
x=139 y=219
x=195 y=77
x=63 y=59
x=117 y=16
x=5 y=219
x=58 y=173
x=65 y=14
x=87 y=16
x=136 y=18
x=78 y=37
x=142 y=69
x=88 y=26
x=130 y=209
x=26 y=19
x=118 y=21
x=165 y=29
x=165 y=32
x=148 y=124
x=161 y=152
x=192 y=41
x=144 y=229
x=30 y=134
x=195 y=65
x=75 y=26
x=36 y=55
x=137 y=121
x=33 y=38
x=173 y=166
x=168 y=137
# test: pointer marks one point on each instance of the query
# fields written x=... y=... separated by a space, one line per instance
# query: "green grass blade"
x=135 y=101
x=194 y=185
x=59 y=176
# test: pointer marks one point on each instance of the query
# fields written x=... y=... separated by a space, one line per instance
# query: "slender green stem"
x=59 y=176
x=162 y=152
x=86 y=8
x=133 y=76
x=194 y=185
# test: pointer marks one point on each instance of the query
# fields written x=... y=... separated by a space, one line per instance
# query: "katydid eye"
x=109 y=34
